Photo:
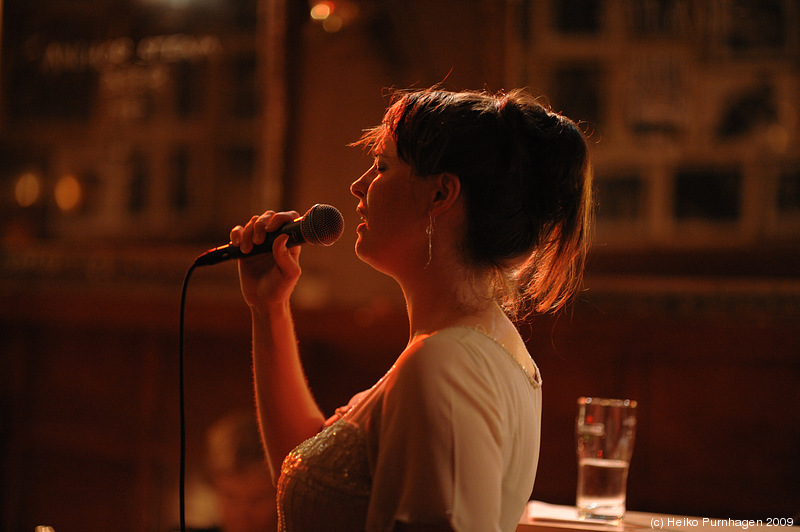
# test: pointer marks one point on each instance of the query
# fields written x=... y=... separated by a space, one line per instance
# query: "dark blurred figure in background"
x=239 y=476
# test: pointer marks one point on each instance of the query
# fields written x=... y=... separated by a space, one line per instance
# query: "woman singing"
x=478 y=205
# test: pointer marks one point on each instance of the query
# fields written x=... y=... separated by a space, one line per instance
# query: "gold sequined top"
x=327 y=475
x=451 y=433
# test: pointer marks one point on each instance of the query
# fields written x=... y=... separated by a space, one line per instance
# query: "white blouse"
x=450 y=433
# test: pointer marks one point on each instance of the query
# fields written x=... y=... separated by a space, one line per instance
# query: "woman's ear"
x=446 y=191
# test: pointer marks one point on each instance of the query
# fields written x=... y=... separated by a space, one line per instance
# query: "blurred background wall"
x=135 y=133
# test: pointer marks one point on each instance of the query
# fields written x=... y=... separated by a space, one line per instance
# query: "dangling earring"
x=429 y=232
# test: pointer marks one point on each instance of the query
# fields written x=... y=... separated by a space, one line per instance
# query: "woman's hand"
x=267 y=279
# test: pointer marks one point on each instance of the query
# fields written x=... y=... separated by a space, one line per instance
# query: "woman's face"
x=394 y=213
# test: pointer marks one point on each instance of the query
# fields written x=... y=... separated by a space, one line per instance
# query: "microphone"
x=321 y=225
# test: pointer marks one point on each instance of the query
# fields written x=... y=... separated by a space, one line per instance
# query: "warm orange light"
x=332 y=24
x=322 y=10
x=27 y=189
x=68 y=193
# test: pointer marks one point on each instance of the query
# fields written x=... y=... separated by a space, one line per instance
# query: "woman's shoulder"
x=447 y=350
x=463 y=351
x=445 y=343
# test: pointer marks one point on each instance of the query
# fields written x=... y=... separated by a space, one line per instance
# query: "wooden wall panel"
x=90 y=417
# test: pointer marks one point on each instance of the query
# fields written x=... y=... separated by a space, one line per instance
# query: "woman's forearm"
x=287 y=411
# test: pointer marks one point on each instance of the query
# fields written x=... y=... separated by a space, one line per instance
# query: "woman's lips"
x=363 y=223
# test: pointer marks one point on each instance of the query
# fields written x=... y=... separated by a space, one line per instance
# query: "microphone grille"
x=322 y=225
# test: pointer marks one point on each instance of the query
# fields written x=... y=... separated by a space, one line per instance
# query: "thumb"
x=287 y=259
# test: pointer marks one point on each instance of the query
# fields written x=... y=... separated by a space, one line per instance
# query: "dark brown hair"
x=526 y=178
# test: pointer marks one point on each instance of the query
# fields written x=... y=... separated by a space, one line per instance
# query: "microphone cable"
x=182 y=402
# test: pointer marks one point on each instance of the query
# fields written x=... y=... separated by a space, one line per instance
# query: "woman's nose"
x=359 y=186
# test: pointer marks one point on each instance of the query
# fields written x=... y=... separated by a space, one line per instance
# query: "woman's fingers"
x=246 y=242
x=263 y=224
x=236 y=235
x=255 y=231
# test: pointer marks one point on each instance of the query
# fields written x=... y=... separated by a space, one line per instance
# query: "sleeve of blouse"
x=440 y=456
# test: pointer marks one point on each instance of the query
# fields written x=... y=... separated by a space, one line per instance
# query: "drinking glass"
x=604 y=433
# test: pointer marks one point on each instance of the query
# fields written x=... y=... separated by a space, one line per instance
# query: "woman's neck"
x=445 y=298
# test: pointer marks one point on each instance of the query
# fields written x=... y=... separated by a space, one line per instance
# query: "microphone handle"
x=229 y=251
